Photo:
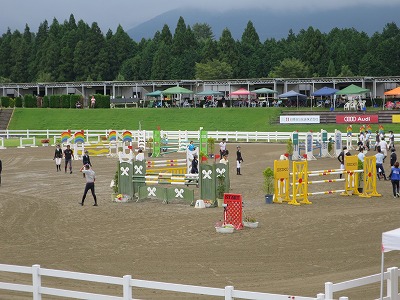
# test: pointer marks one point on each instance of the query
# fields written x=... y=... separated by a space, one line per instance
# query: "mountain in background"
x=273 y=24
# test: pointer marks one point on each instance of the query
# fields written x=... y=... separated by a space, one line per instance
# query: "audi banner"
x=348 y=119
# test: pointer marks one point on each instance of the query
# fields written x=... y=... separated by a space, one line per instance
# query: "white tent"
x=390 y=241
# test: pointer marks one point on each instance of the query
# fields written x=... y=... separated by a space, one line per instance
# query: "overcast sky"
x=108 y=14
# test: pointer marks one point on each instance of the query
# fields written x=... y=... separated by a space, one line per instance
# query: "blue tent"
x=292 y=95
x=325 y=91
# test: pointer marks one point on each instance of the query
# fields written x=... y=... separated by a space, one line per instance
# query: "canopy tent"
x=178 y=91
x=326 y=91
x=210 y=93
x=154 y=94
x=352 y=89
x=394 y=92
x=264 y=91
x=390 y=241
x=240 y=92
x=293 y=95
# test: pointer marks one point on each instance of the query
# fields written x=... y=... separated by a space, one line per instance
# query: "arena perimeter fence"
x=236 y=136
x=127 y=283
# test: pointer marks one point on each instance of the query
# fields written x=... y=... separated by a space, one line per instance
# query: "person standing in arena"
x=1 y=169
x=68 y=155
x=90 y=177
x=239 y=160
x=222 y=147
x=58 y=154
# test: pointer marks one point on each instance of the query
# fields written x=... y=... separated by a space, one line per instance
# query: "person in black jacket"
x=58 y=154
x=239 y=160
x=1 y=169
x=393 y=157
x=341 y=158
x=68 y=155
x=86 y=160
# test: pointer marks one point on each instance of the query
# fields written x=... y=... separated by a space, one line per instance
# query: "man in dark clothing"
x=86 y=160
x=393 y=157
x=1 y=169
x=68 y=155
x=239 y=160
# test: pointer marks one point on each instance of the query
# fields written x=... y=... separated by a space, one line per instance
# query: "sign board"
x=350 y=119
x=299 y=119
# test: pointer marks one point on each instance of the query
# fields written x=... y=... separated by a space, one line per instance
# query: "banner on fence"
x=350 y=119
x=300 y=119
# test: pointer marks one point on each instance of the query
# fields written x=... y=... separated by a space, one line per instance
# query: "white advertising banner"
x=299 y=119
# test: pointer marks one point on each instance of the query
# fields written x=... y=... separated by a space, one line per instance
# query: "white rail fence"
x=126 y=283
x=236 y=136
x=391 y=276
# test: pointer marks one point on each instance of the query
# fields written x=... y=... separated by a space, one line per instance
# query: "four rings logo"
x=282 y=169
x=350 y=119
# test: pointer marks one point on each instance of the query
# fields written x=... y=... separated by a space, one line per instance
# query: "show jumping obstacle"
x=300 y=180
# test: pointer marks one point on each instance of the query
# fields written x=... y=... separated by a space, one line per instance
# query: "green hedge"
x=46 y=102
x=102 y=101
x=18 y=102
x=30 y=101
x=5 y=101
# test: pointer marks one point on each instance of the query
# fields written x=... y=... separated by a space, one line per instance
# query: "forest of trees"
x=75 y=51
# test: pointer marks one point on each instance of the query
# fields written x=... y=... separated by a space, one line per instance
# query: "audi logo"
x=350 y=119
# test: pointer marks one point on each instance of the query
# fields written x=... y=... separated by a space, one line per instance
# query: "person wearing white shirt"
x=361 y=154
x=222 y=147
x=379 y=164
x=140 y=155
x=384 y=146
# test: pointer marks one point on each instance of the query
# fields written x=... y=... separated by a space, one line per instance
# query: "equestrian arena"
x=294 y=251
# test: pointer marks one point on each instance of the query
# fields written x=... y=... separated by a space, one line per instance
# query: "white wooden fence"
x=126 y=283
x=391 y=276
x=233 y=136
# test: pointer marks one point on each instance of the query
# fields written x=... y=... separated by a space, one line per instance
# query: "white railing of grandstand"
x=126 y=283
x=233 y=136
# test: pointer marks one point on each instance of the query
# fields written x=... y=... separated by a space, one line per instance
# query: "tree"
x=161 y=63
x=331 y=72
x=202 y=32
x=345 y=71
x=290 y=68
x=212 y=70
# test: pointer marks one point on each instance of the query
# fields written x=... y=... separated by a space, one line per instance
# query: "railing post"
x=27 y=133
x=328 y=290
x=127 y=288
x=320 y=296
x=47 y=134
x=228 y=292
x=391 y=286
x=36 y=282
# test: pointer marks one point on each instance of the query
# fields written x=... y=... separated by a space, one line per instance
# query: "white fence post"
x=127 y=288
x=228 y=292
x=36 y=282
x=320 y=296
x=392 y=287
x=328 y=290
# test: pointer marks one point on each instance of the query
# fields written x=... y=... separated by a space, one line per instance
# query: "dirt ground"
x=294 y=251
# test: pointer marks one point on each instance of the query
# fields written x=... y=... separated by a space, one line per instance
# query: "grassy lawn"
x=212 y=119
